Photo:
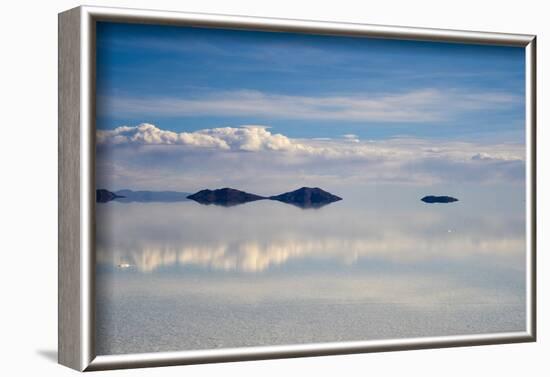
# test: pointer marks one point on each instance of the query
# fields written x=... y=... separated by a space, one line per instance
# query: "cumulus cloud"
x=420 y=105
x=149 y=134
x=147 y=157
x=483 y=156
x=253 y=138
x=351 y=138
x=245 y=138
x=257 y=138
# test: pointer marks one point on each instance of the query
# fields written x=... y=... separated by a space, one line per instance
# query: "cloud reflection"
x=254 y=256
x=382 y=225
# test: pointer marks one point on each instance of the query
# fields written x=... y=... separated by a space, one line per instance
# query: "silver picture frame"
x=76 y=263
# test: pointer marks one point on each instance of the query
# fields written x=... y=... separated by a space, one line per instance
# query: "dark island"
x=438 y=199
x=224 y=197
x=104 y=196
x=307 y=197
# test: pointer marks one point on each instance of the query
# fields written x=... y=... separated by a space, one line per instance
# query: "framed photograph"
x=239 y=188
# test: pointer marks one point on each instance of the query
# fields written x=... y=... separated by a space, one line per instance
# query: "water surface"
x=379 y=264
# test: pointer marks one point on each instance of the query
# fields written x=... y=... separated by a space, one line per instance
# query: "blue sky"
x=306 y=86
x=185 y=108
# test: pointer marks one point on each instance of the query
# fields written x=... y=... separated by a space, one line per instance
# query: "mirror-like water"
x=379 y=264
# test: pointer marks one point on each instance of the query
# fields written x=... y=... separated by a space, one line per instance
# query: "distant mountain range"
x=305 y=197
x=438 y=199
x=128 y=196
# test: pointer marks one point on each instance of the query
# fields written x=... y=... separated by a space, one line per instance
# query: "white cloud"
x=351 y=138
x=253 y=139
x=483 y=156
x=149 y=134
x=250 y=138
x=421 y=105
x=148 y=157
x=257 y=138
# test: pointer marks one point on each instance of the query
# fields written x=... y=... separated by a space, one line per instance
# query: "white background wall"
x=28 y=192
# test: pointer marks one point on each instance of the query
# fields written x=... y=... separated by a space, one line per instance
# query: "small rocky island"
x=104 y=196
x=307 y=197
x=224 y=197
x=438 y=199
